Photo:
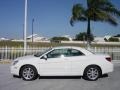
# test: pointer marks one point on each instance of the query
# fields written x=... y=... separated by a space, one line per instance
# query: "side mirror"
x=44 y=57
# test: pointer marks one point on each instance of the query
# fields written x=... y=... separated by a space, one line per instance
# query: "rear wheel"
x=28 y=73
x=92 y=73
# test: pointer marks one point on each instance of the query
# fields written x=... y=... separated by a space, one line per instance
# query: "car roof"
x=59 y=47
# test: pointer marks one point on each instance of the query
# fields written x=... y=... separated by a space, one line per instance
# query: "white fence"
x=114 y=52
x=10 y=53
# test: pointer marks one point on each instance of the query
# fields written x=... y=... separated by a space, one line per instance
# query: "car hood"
x=28 y=57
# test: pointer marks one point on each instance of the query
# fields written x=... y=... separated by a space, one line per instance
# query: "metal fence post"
x=6 y=50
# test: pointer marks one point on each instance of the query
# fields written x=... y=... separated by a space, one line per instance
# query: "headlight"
x=15 y=62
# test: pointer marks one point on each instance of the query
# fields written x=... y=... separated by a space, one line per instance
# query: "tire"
x=92 y=73
x=28 y=73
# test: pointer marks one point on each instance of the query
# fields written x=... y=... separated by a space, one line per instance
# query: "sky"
x=51 y=18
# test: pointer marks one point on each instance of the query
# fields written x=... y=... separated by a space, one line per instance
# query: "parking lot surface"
x=110 y=82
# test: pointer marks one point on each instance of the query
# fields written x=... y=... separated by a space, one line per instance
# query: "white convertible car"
x=62 y=61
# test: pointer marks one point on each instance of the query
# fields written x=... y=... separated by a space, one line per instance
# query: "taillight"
x=108 y=59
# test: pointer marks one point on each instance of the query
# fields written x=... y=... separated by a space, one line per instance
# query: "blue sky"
x=51 y=19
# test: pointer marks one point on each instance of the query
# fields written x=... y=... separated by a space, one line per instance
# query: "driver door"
x=55 y=64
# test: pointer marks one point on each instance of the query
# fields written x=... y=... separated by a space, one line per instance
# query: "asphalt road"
x=7 y=82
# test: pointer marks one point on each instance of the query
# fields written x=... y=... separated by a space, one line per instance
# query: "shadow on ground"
x=63 y=77
x=60 y=77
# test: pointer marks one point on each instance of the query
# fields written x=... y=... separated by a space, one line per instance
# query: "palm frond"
x=101 y=15
x=97 y=10
x=78 y=14
x=112 y=10
x=112 y=21
x=73 y=20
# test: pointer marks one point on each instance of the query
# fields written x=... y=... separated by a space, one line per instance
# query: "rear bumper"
x=109 y=68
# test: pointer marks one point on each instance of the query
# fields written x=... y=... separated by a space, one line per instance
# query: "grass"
x=35 y=44
x=5 y=62
x=46 y=44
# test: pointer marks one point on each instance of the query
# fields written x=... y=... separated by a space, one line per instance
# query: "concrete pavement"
x=7 y=82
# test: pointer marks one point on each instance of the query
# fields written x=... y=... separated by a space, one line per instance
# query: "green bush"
x=83 y=36
x=112 y=39
x=59 y=39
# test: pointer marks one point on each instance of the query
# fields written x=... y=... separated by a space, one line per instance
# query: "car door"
x=76 y=57
x=55 y=64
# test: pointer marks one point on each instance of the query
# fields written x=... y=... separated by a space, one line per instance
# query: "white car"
x=62 y=61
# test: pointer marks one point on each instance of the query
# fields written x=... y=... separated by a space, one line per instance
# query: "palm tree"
x=96 y=10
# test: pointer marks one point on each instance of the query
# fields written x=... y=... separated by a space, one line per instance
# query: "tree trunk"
x=88 y=34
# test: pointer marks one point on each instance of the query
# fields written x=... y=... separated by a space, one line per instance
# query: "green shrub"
x=112 y=39
x=59 y=39
x=83 y=36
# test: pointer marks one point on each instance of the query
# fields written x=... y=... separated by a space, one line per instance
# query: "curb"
x=116 y=61
x=9 y=61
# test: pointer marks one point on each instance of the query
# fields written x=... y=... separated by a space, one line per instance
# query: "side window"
x=75 y=52
x=57 y=53
x=66 y=52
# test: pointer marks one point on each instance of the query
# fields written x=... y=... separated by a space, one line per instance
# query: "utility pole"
x=32 y=29
x=25 y=28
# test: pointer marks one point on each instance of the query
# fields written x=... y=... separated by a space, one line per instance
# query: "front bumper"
x=14 y=70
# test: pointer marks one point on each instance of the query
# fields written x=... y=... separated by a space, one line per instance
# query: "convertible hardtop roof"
x=75 y=47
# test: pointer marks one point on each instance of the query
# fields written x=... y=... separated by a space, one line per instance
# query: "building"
x=36 y=38
x=68 y=36
x=107 y=37
x=4 y=39
x=99 y=39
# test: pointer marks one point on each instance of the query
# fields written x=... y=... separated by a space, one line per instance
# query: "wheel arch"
x=27 y=65
x=93 y=65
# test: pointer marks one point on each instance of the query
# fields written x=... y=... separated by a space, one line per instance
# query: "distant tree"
x=118 y=35
x=105 y=39
x=112 y=39
x=83 y=36
x=95 y=10
x=59 y=39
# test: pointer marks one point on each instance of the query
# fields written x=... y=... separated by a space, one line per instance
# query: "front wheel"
x=28 y=73
x=92 y=73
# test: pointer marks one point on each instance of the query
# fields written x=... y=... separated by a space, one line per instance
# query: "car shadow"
x=63 y=77
x=60 y=77
x=104 y=76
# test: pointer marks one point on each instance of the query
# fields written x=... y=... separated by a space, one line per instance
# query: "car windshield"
x=41 y=53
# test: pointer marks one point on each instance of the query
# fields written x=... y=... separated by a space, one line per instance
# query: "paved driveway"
x=7 y=82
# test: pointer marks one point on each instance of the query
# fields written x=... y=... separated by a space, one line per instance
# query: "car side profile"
x=62 y=61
